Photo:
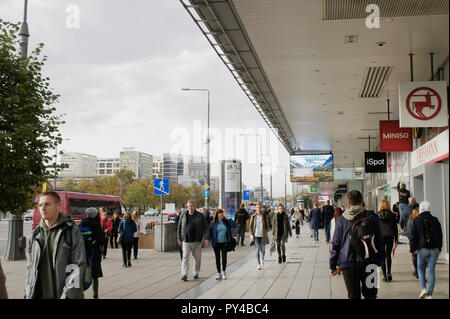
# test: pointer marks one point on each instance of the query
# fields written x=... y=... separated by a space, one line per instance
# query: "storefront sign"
x=433 y=151
x=375 y=162
x=394 y=138
x=423 y=104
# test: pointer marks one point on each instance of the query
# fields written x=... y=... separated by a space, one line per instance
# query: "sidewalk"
x=305 y=275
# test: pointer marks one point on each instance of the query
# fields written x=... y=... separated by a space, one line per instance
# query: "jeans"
x=401 y=208
x=135 y=246
x=388 y=245
x=126 y=252
x=260 y=249
x=327 y=231
x=316 y=234
x=241 y=233
x=218 y=248
x=196 y=249
x=355 y=281
x=427 y=257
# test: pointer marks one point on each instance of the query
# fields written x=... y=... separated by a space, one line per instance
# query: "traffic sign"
x=161 y=186
x=44 y=187
x=246 y=194
x=206 y=186
x=313 y=189
x=206 y=193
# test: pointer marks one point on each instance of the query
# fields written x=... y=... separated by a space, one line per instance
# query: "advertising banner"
x=232 y=177
x=375 y=162
x=433 y=151
x=394 y=138
x=423 y=104
x=312 y=168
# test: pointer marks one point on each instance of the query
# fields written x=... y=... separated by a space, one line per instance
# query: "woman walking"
x=94 y=239
x=135 y=218
x=281 y=229
x=220 y=233
x=407 y=233
x=259 y=226
x=388 y=222
x=107 y=227
x=297 y=221
x=337 y=213
x=128 y=227
x=115 y=230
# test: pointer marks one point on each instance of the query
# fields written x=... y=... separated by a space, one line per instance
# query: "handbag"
x=272 y=248
x=232 y=244
x=120 y=237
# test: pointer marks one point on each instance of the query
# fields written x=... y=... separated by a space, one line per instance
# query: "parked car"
x=151 y=212
x=28 y=215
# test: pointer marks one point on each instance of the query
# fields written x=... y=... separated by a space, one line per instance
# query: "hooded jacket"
x=341 y=253
x=52 y=257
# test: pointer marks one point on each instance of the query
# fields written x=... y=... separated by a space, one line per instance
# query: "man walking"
x=328 y=213
x=240 y=219
x=57 y=258
x=315 y=220
x=192 y=228
x=403 y=196
x=357 y=248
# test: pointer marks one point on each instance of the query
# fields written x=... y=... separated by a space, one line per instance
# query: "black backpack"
x=430 y=234
x=362 y=236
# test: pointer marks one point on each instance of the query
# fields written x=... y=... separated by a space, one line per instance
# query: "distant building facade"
x=138 y=162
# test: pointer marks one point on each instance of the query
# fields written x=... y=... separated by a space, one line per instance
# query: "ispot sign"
x=375 y=162
x=394 y=138
x=423 y=104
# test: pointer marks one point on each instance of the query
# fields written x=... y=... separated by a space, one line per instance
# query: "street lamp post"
x=261 y=164
x=285 y=197
x=56 y=157
x=24 y=33
x=208 y=164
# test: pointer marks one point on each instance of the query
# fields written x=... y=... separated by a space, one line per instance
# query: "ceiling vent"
x=356 y=9
x=374 y=80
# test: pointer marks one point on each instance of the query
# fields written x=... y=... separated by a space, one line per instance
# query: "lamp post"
x=271 y=198
x=56 y=157
x=208 y=170
x=24 y=34
x=285 y=198
x=260 y=140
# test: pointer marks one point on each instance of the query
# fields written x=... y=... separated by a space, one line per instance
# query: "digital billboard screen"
x=312 y=168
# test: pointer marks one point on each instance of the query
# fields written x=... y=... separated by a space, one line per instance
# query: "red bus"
x=74 y=205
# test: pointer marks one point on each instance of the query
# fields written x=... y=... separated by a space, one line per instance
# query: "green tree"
x=136 y=194
x=28 y=128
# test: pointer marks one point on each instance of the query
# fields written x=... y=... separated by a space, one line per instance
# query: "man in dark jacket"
x=115 y=230
x=240 y=218
x=192 y=229
x=426 y=240
x=328 y=213
x=360 y=274
x=403 y=196
x=315 y=221
x=407 y=213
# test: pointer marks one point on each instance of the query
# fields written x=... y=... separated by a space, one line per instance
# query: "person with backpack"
x=127 y=227
x=221 y=239
x=94 y=239
x=281 y=230
x=388 y=223
x=407 y=233
x=315 y=221
x=107 y=227
x=240 y=218
x=357 y=248
x=56 y=260
x=259 y=227
x=426 y=240
x=115 y=230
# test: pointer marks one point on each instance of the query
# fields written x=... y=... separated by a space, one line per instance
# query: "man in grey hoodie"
x=57 y=258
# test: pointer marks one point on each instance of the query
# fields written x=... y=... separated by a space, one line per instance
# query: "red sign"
x=421 y=99
x=394 y=138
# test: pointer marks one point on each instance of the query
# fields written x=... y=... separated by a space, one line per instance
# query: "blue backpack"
x=89 y=241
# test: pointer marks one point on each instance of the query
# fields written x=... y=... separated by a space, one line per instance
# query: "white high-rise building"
x=79 y=164
x=108 y=166
x=157 y=167
x=140 y=163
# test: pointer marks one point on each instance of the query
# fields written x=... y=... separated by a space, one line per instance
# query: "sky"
x=119 y=67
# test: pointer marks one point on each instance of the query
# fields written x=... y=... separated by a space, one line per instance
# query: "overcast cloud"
x=120 y=77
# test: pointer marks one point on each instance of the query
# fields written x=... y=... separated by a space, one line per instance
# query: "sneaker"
x=184 y=278
x=279 y=260
x=284 y=259
x=389 y=278
x=415 y=274
x=224 y=275
x=218 y=276
x=129 y=264
x=124 y=266
x=423 y=293
x=195 y=276
x=428 y=297
x=259 y=267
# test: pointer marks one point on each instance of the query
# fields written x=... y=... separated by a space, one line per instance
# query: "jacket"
x=297 y=218
x=287 y=231
x=328 y=213
x=388 y=223
x=201 y=227
x=129 y=228
x=406 y=214
x=341 y=252
x=229 y=223
x=108 y=226
x=94 y=252
x=315 y=218
x=241 y=216
x=265 y=229
x=115 y=223
x=68 y=253
x=417 y=229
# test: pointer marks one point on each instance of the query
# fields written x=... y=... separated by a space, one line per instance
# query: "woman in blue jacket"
x=220 y=234
x=128 y=226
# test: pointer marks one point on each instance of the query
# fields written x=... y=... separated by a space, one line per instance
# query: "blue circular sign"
x=206 y=193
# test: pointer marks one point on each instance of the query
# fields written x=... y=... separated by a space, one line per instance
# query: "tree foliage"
x=28 y=123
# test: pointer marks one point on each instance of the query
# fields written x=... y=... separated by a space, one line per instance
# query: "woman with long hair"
x=135 y=217
x=297 y=221
x=281 y=230
x=128 y=227
x=220 y=234
x=388 y=222
x=259 y=226
x=337 y=213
